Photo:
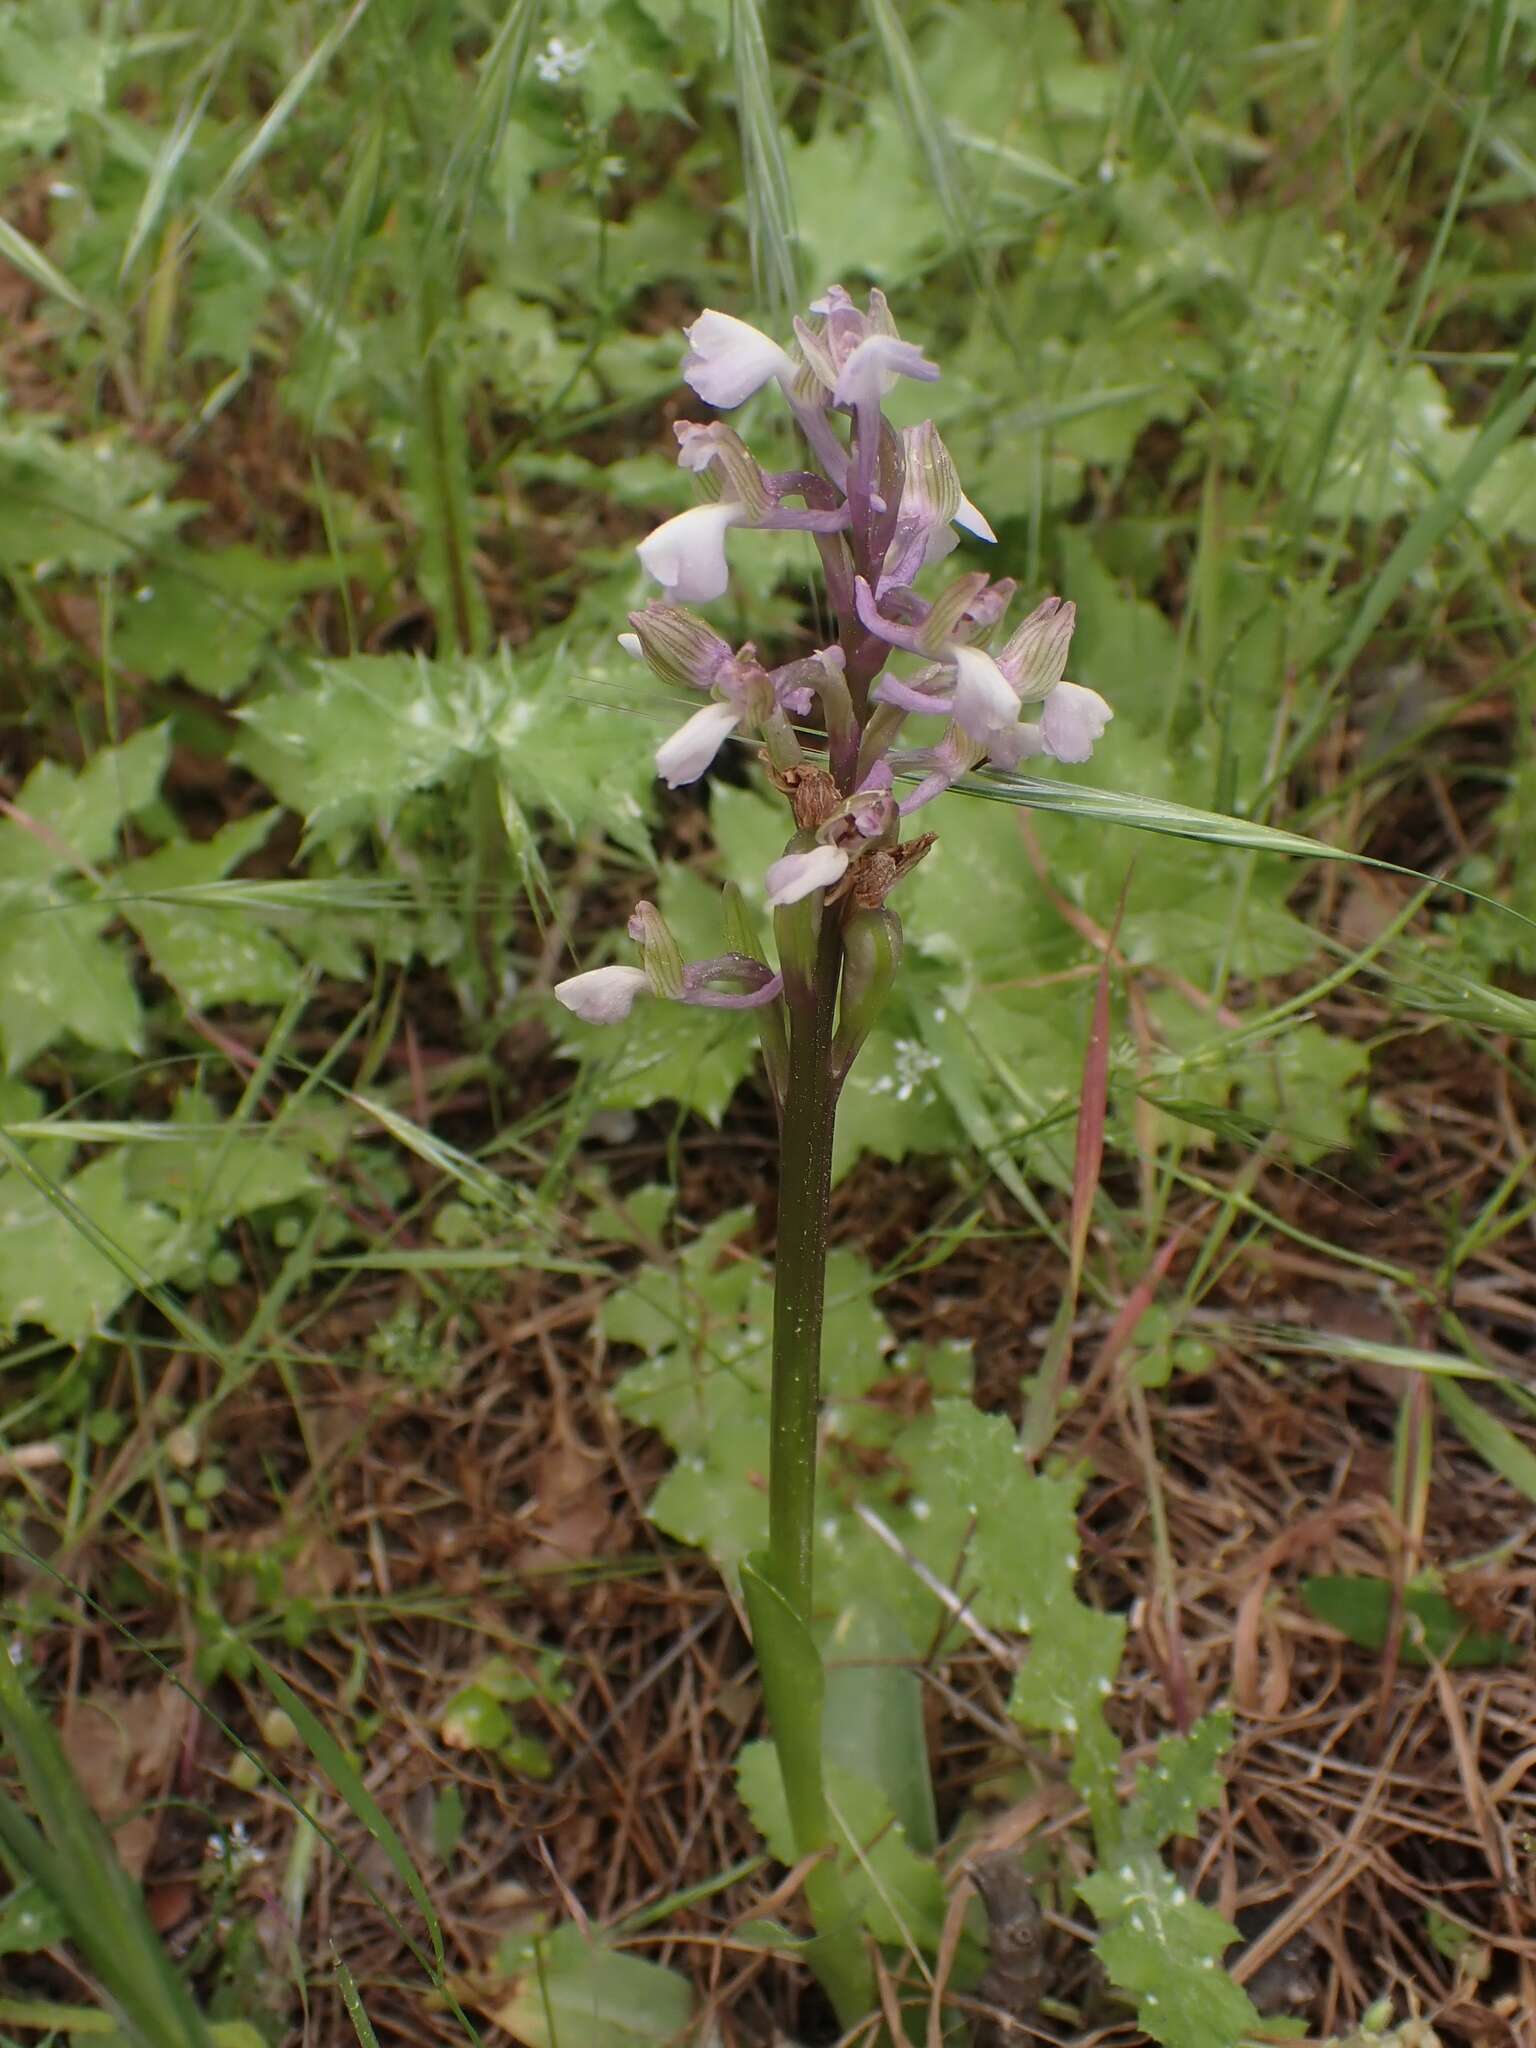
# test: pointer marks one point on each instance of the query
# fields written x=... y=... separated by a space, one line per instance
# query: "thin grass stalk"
x=77 y=1867
x=770 y=199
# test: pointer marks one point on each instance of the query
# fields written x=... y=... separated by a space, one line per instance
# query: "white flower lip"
x=688 y=752
x=603 y=995
x=798 y=874
x=1071 y=719
x=686 y=555
x=728 y=359
x=984 y=701
x=630 y=642
x=1011 y=744
x=974 y=521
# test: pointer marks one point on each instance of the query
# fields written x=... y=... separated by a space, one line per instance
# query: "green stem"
x=781 y=1609
x=800 y=1270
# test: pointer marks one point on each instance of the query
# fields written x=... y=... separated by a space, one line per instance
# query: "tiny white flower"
x=873 y=367
x=797 y=874
x=1071 y=719
x=728 y=359
x=686 y=555
x=985 y=702
x=603 y=995
x=689 y=751
x=558 y=61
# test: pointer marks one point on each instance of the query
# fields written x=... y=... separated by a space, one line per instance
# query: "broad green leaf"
x=982 y=1519
x=58 y=977
x=218 y=1170
x=897 y=223
x=210 y=956
x=894 y=1892
x=52 y=1273
x=90 y=504
x=872 y=1722
x=370 y=730
x=572 y=1992
x=206 y=617
x=363 y=734
x=891 y=1103
x=1071 y=1666
x=1171 y=1793
x=1164 y=1948
x=1491 y=1439
x=47 y=79
x=68 y=822
x=1433 y=1630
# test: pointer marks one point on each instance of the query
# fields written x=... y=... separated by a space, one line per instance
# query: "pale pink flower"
x=686 y=555
x=603 y=995
x=985 y=701
x=728 y=360
x=1071 y=719
x=688 y=752
x=798 y=874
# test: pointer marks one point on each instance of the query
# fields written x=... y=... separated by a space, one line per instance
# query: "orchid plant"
x=882 y=504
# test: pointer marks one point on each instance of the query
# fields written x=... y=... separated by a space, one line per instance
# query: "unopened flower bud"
x=679 y=646
x=872 y=945
x=938 y=629
x=872 y=814
x=1035 y=656
x=660 y=954
x=817 y=372
x=932 y=494
x=723 y=463
x=880 y=318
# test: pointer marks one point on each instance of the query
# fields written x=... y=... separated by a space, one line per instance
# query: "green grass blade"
x=347 y=1781
x=25 y=255
x=144 y=1282
x=922 y=120
x=283 y=108
x=475 y=149
x=74 y=1861
x=770 y=202
x=1432 y=525
x=352 y=1999
x=1153 y=814
x=1493 y=1440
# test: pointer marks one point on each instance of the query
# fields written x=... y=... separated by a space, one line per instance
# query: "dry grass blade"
x=1044 y=1406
